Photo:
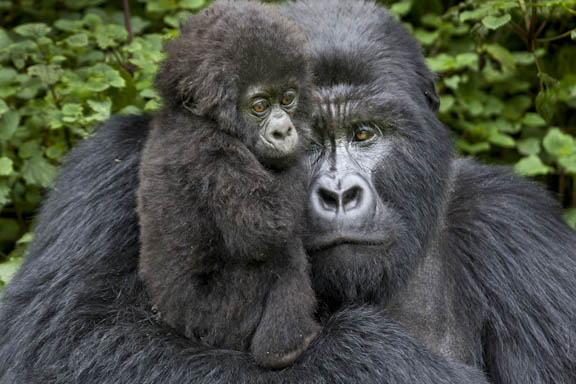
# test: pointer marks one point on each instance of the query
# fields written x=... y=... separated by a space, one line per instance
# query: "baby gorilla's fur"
x=221 y=257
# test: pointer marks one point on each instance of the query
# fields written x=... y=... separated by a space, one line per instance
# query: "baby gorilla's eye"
x=288 y=98
x=363 y=134
x=260 y=106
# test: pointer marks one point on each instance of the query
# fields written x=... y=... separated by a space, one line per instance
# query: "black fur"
x=493 y=283
x=221 y=257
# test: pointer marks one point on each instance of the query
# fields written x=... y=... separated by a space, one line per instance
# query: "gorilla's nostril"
x=351 y=198
x=278 y=135
x=328 y=198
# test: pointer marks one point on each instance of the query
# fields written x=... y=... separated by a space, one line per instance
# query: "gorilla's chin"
x=346 y=272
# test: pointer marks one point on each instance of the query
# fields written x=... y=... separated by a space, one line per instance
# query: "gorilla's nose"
x=282 y=135
x=281 y=131
x=348 y=195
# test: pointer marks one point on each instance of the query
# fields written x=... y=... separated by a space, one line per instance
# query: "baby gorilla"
x=222 y=187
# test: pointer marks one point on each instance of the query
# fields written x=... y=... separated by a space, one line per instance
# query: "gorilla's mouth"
x=326 y=242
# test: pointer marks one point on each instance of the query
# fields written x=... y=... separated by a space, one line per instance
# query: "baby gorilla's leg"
x=287 y=325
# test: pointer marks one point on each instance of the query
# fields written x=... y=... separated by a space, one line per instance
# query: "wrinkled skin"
x=468 y=274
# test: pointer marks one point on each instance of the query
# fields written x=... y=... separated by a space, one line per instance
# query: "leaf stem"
x=561 y=36
x=127 y=21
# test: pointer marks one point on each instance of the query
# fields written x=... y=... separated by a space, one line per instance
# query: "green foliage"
x=507 y=84
x=507 y=81
x=61 y=73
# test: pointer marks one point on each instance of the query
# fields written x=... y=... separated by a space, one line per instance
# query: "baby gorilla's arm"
x=254 y=208
x=287 y=326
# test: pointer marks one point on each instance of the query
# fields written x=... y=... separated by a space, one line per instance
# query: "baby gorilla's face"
x=270 y=111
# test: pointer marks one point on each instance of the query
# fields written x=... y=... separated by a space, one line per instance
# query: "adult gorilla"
x=444 y=259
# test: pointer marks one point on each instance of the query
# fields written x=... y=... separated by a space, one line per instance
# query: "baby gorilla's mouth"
x=278 y=148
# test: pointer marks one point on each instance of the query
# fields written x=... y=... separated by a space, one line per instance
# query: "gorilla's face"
x=380 y=170
x=269 y=114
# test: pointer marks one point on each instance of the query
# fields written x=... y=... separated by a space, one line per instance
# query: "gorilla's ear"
x=211 y=92
x=431 y=96
x=197 y=80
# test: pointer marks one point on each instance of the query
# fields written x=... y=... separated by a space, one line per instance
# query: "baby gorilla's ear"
x=192 y=77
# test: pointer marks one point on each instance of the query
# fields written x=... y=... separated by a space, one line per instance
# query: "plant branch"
x=518 y=30
x=549 y=39
x=127 y=21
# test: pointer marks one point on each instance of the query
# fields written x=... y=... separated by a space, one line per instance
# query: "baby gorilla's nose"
x=281 y=133
x=282 y=136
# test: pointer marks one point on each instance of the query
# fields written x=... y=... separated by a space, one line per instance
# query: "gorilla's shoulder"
x=487 y=192
x=498 y=218
x=94 y=192
x=119 y=135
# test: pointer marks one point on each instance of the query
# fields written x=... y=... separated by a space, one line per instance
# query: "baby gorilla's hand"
x=275 y=348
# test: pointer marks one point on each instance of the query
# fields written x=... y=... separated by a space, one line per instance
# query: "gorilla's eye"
x=288 y=98
x=260 y=106
x=363 y=134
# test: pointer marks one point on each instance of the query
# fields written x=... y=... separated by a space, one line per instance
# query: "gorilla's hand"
x=360 y=345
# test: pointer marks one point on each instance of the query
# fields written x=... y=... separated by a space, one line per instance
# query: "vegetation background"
x=507 y=80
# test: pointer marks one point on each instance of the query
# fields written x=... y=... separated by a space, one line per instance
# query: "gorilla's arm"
x=76 y=312
x=518 y=267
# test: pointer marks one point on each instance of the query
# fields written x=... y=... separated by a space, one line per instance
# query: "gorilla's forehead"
x=358 y=43
x=344 y=104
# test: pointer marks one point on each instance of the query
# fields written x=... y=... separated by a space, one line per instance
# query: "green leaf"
x=9 y=122
x=56 y=151
x=4 y=39
x=468 y=59
x=533 y=119
x=401 y=8
x=78 y=40
x=530 y=146
x=102 y=109
x=8 y=76
x=26 y=238
x=502 y=55
x=161 y=5
x=49 y=74
x=426 y=37
x=4 y=194
x=38 y=171
x=110 y=35
x=29 y=149
x=568 y=163
x=475 y=14
x=532 y=166
x=72 y=112
x=192 y=4
x=446 y=103
x=495 y=22
x=523 y=58
x=502 y=140
x=6 y=166
x=558 y=143
x=68 y=25
x=515 y=107
x=441 y=63
x=570 y=217
x=36 y=30
x=474 y=148
x=8 y=269
x=102 y=76
x=3 y=107
x=547 y=104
